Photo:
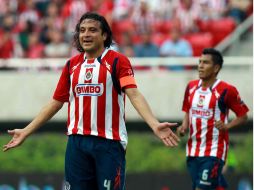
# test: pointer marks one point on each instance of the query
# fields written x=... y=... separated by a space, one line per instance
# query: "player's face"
x=90 y=36
x=206 y=68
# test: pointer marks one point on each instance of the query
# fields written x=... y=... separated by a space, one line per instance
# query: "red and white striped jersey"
x=205 y=106
x=95 y=105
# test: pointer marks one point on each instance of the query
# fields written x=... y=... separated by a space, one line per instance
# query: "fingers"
x=10 y=145
x=11 y=132
x=167 y=125
x=171 y=141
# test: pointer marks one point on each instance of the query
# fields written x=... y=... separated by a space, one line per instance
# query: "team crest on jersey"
x=89 y=75
x=201 y=101
x=89 y=89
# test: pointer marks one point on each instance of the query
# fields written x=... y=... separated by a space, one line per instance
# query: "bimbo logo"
x=89 y=89
x=202 y=113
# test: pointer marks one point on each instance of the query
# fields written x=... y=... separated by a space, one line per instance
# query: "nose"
x=201 y=64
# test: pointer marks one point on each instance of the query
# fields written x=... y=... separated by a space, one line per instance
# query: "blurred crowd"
x=141 y=28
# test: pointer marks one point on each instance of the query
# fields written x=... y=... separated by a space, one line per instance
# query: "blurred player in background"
x=94 y=84
x=206 y=104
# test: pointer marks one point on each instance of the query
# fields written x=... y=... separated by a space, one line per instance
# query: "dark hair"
x=104 y=27
x=216 y=55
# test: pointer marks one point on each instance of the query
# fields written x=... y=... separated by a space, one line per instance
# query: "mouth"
x=87 y=42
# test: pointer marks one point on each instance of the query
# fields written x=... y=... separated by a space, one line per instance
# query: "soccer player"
x=94 y=84
x=206 y=104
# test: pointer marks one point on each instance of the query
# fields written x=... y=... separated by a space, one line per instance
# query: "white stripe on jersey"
x=122 y=128
x=204 y=123
x=193 y=137
x=81 y=80
x=203 y=138
x=108 y=122
x=225 y=148
x=94 y=99
x=72 y=108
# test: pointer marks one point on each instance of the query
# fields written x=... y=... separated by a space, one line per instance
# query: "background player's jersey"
x=96 y=105
x=205 y=106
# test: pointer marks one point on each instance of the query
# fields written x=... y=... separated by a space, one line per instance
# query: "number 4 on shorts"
x=107 y=184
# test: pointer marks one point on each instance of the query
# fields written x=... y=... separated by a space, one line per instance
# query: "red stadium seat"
x=199 y=41
x=159 y=38
x=163 y=27
x=222 y=28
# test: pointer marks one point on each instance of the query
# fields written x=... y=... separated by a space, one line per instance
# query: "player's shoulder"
x=115 y=54
x=77 y=58
x=193 y=83
x=226 y=85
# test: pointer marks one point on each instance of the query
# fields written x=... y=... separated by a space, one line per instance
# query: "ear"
x=104 y=35
x=216 y=68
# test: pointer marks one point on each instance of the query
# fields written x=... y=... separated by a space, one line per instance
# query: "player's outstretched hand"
x=18 y=137
x=168 y=137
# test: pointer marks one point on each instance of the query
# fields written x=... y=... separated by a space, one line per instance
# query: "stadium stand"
x=22 y=20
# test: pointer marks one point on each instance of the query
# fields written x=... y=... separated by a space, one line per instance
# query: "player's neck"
x=94 y=54
x=206 y=83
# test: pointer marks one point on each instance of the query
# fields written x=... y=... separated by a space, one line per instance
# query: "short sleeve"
x=62 y=90
x=125 y=73
x=186 y=103
x=235 y=103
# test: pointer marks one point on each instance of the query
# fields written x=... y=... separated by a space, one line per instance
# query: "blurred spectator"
x=35 y=47
x=176 y=46
x=57 y=47
x=71 y=12
x=9 y=6
x=29 y=13
x=126 y=46
x=187 y=14
x=26 y=29
x=122 y=9
x=165 y=10
x=146 y=48
x=6 y=36
x=103 y=7
x=214 y=9
x=142 y=17
x=238 y=9
x=6 y=44
x=52 y=20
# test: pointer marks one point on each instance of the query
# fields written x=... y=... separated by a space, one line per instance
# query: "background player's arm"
x=181 y=130
x=162 y=130
x=235 y=122
x=19 y=135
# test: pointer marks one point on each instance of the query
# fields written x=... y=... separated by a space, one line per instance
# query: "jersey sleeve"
x=62 y=90
x=125 y=73
x=235 y=102
x=186 y=104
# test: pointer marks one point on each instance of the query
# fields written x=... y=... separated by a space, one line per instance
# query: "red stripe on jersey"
x=198 y=135
x=115 y=112
x=76 y=99
x=87 y=106
x=68 y=118
x=190 y=140
x=222 y=134
x=101 y=104
x=191 y=96
x=210 y=126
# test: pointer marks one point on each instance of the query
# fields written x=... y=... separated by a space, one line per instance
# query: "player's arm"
x=234 y=123
x=235 y=103
x=182 y=129
x=162 y=130
x=19 y=135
